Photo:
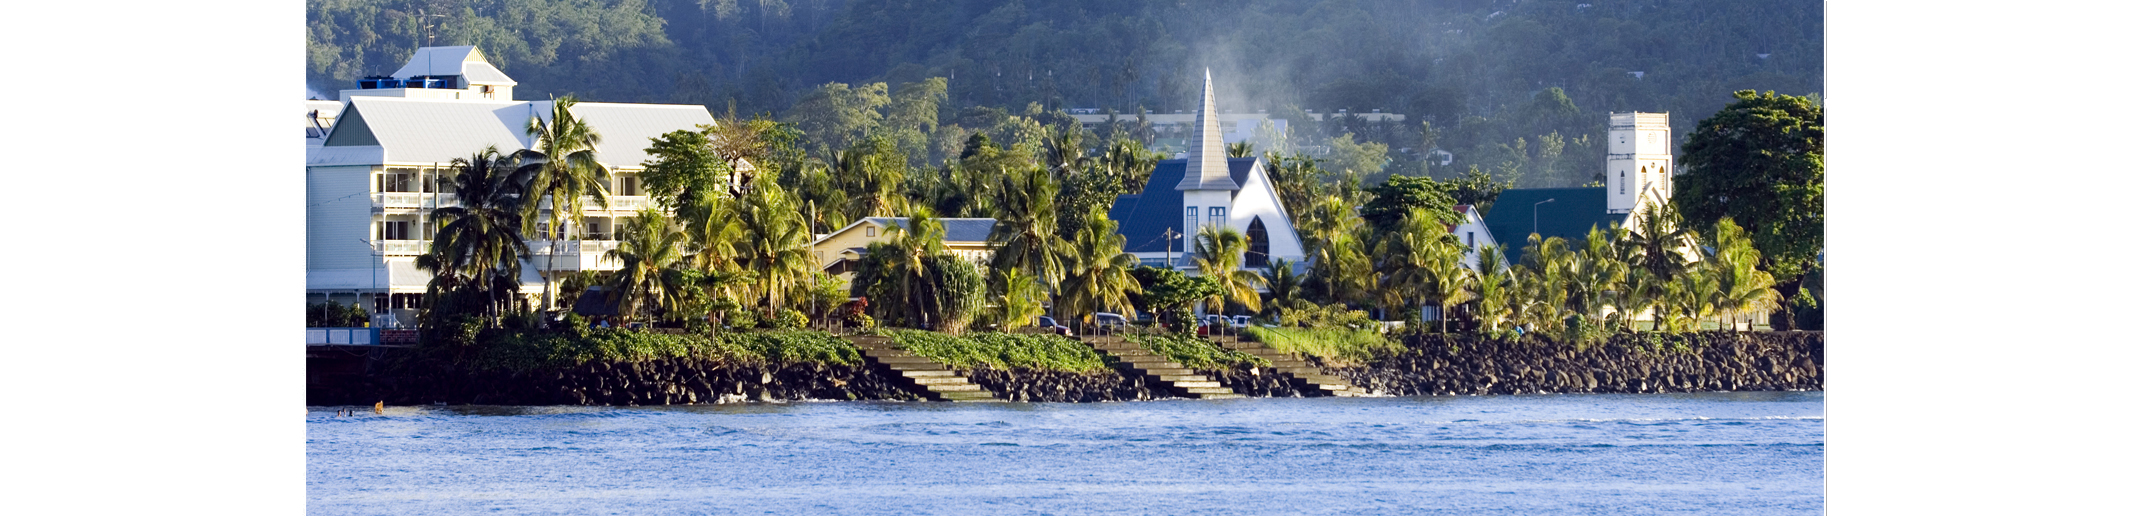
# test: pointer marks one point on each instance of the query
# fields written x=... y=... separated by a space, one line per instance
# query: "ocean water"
x=1707 y=453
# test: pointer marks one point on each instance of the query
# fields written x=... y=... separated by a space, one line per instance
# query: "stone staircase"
x=1297 y=367
x=1181 y=380
x=941 y=383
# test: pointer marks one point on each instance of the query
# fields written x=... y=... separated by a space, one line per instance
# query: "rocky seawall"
x=1635 y=363
x=1429 y=365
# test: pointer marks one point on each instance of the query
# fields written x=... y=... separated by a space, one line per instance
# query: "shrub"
x=1359 y=345
x=335 y=315
x=533 y=350
x=1308 y=315
x=741 y=319
x=1194 y=352
x=1000 y=350
x=786 y=319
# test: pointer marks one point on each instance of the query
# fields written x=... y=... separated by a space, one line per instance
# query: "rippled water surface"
x=1721 y=453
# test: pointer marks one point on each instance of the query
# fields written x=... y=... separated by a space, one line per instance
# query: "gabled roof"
x=1571 y=215
x=464 y=61
x=1143 y=217
x=958 y=229
x=437 y=130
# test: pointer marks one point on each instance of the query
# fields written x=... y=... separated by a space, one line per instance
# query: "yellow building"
x=837 y=252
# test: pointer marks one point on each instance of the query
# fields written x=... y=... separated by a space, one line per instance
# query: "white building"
x=374 y=179
x=1206 y=190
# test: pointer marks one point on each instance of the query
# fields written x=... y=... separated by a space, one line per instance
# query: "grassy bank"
x=1194 y=352
x=533 y=349
x=1000 y=350
x=1352 y=345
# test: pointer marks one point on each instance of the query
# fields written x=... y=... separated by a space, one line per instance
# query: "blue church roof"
x=1571 y=215
x=1144 y=216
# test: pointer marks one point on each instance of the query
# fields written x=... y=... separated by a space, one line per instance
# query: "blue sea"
x=1708 y=453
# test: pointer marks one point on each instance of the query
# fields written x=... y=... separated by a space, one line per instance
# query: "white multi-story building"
x=383 y=165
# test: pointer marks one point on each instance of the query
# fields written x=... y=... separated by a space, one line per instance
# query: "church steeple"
x=1207 y=168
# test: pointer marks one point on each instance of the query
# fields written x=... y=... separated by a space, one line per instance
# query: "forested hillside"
x=1512 y=86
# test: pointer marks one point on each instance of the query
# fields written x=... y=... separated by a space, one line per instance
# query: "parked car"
x=1110 y=323
x=1045 y=322
x=1241 y=321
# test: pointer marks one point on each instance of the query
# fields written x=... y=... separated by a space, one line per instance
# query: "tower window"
x=1623 y=181
x=1217 y=216
x=1259 y=254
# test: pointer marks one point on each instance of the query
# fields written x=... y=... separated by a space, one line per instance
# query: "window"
x=629 y=185
x=1623 y=181
x=393 y=230
x=1217 y=217
x=1260 y=249
x=1190 y=216
x=594 y=227
x=869 y=231
x=1469 y=236
x=396 y=180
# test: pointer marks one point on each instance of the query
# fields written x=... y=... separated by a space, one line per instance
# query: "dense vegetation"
x=523 y=347
x=1193 y=352
x=1517 y=88
x=1043 y=352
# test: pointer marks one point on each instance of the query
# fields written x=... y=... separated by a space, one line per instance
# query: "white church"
x=1206 y=190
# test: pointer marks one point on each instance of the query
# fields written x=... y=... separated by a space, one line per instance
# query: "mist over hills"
x=1480 y=72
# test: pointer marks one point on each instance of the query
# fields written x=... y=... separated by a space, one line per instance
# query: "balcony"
x=413 y=200
x=403 y=247
x=573 y=255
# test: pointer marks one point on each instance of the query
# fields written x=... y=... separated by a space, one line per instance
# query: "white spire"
x=1207 y=168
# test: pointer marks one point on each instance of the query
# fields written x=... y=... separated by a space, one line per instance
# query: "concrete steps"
x=1181 y=380
x=940 y=382
x=1325 y=383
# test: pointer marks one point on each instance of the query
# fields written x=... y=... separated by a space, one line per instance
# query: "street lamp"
x=1534 y=214
x=1168 y=249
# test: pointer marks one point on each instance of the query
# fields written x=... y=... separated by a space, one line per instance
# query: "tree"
x=871 y=175
x=1761 y=162
x=1477 y=189
x=1492 y=284
x=773 y=245
x=1358 y=159
x=1219 y=254
x=1283 y=286
x=1016 y=300
x=1741 y=286
x=909 y=246
x=1241 y=149
x=838 y=115
x=958 y=291
x=480 y=242
x=1166 y=290
x=650 y=256
x=1401 y=194
x=1025 y=236
x=1098 y=272
x=565 y=149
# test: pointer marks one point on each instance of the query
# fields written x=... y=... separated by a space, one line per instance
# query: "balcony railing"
x=591 y=248
x=403 y=247
x=413 y=200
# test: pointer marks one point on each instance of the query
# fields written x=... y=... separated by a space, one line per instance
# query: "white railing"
x=411 y=200
x=403 y=247
x=593 y=248
x=623 y=203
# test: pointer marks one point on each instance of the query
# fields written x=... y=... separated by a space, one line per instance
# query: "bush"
x=332 y=314
x=535 y=350
x=787 y=319
x=1194 y=352
x=1359 y=345
x=1308 y=315
x=1000 y=350
x=741 y=319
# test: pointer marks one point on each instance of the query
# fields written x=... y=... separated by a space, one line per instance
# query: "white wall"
x=1256 y=199
x=338 y=218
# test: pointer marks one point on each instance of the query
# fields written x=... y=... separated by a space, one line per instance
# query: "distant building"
x=1206 y=190
x=1638 y=174
x=382 y=166
x=837 y=252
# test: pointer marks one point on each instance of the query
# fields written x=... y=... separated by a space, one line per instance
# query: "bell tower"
x=1208 y=189
x=1637 y=160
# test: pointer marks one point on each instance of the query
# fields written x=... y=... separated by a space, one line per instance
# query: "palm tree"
x=1492 y=285
x=909 y=247
x=1742 y=287
x=714 y=230
x=650 y=249
x=1282 y=285
x=480 y=242
x=774 y=244
x=567 y=169
x=1099 y=272
x=1219 y=256
x=1025 y=236
x=1016 y=300
x=1241 y=149
x=871 y=174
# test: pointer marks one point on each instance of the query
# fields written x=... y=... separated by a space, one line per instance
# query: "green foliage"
x=332 y=314
x=786 y=319
x=1304 y=314
x=1399 y=194
x=1353 y=345
x=1000 y=350
x=1477 y=189
x=960 y=291
x=527 y=350
x=1761 y=162
x=1170 y=290
x=1194 y=352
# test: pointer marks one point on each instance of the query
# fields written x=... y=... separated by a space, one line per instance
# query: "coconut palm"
x=1025 y=236
x=908 y=248
x=1742 y=287
x=1592 y=273
x=773 y=247
x=480 y=243
x=1219 y=256
x=568 y=169
x=1492 y=286
x=649 y=251
x=1016 y=300
x=871 y=176
x=1098 y=272
x=1283 y=286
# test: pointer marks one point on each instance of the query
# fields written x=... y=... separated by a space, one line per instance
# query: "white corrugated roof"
x=460 y=60
x=626 y=129
x=437 y=130
x=350 y=155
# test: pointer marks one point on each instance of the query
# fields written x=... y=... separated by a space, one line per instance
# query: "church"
x=1206 y=190
x=1638 y=175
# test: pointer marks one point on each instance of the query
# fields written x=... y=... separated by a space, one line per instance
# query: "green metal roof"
x=1570 y=215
